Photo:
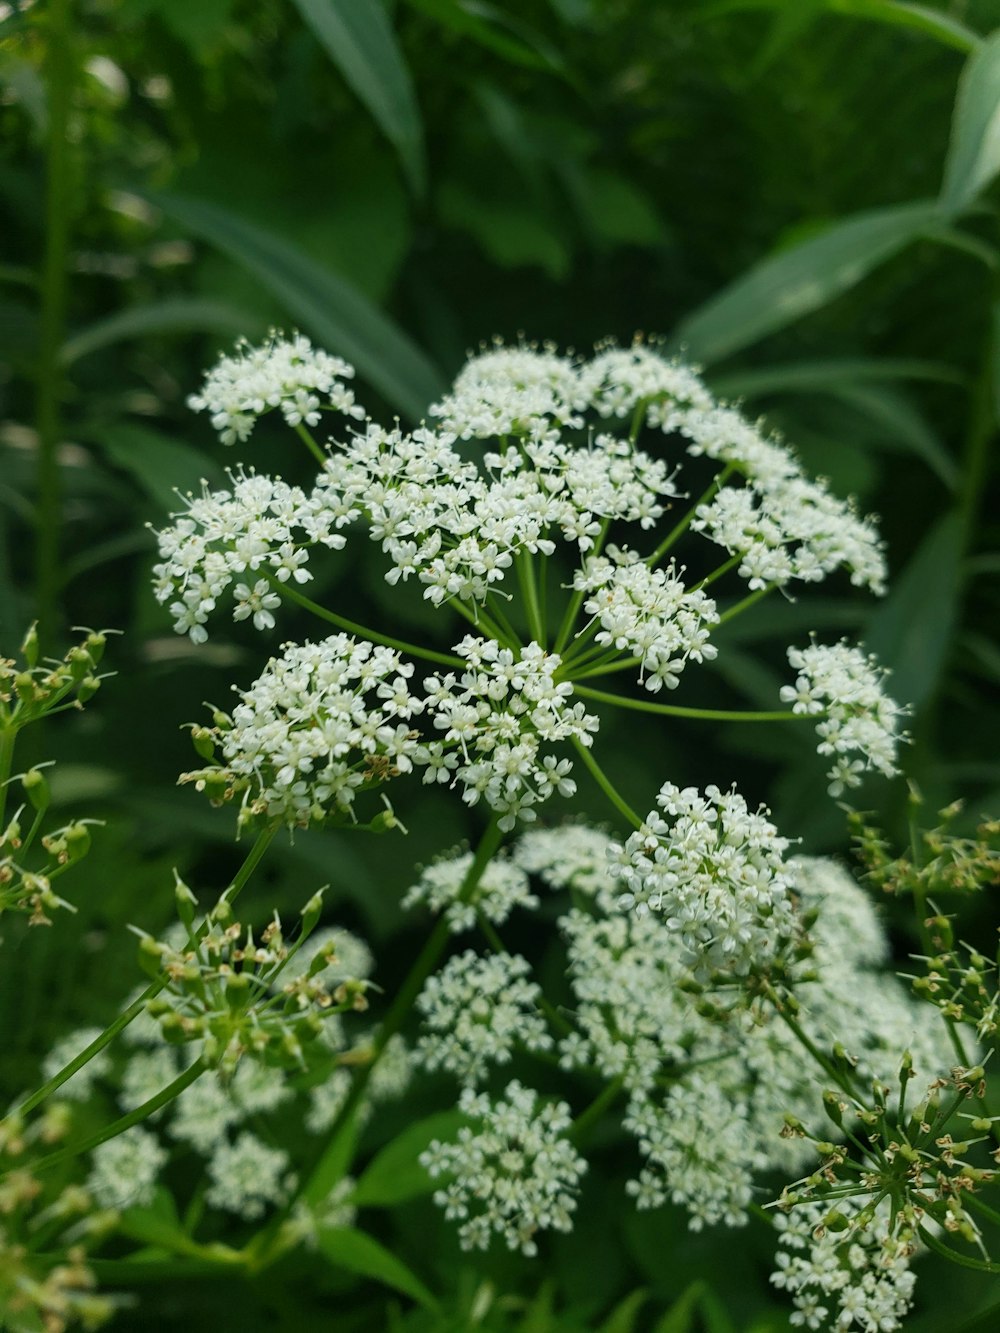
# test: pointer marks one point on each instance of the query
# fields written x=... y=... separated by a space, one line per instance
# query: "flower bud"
x=36 y=789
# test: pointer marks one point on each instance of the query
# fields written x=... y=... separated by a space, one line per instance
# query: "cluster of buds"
x=239 y=995
x=28 y=887
x=31 y=689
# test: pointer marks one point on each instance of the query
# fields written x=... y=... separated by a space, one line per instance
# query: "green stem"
x=831 y=1071
x=143 y=1112
x=326 y=1171
x=362 y=631
x=597 y=773
x=481 y=620
x=678 y=530
x=311 y=444
x=946 y=1252
x=529 y=590
x=493 y=939
x=8 y=737
x=576 y=601
x=60 y=78
x=253 y=859
x=747 y=602
x=675 y=710
x=500 y=617
x=605 y=1098
x=724 y=568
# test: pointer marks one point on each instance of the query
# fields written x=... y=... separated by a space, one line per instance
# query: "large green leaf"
x=895 y=13
x=912 y=631
x=974 y=151
x=177 y=314
x=359 y=39
x=794 y=281
x=325 y=304
x=394 y=1174
x=828 y=373
x=905 y=429
x=360 y=1253
x=162 y=466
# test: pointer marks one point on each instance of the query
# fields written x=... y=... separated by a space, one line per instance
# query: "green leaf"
x=974 y=151
x=622 y=1318
x=326 y=305
x=912 y=630
x=905 y=428
x=157 y=1224
x=467 y=21
x=178 y=314
x=161 y=466
x=394 y=1174
x=802 y=278
x=829 y=373
x=358 y=1252
x=512 y=233
x=359 y=39
x=896 y=13
x=698 y=1302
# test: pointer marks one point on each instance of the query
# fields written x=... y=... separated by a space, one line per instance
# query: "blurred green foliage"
x=784 y=188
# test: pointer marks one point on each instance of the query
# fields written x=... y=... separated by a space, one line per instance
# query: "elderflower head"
x=513 y=1171
x=287 y=373
x=843 y=687
x=715 y=871
x=476 y=1010
x=323 y=721
x=502 y=887
x=124 y=1170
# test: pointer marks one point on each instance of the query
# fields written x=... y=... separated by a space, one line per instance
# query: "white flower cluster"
x=262 y=525
x=858 y=718
x=782 y=523
x=649 y=612
x=124 y=1171
x=854 y=1279
x=499 y=719
x=502 y=887
x=288 y=373
x=514 y=1172
x=322 y=721
x=716 y=873
x=476 y=1010
x=619 y=381
x=78 y=1086
x=390 y=1079
x=520 y=391
x=246 y=1177
x=572 y=856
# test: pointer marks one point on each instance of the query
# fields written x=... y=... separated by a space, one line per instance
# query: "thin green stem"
x=605 y=1098
x=500 y=617
x=946 y=1252
x=675 y=710
x=362 y=631
x=831 y=1071
x=745 y=604
x=576 y=601
x=724 y=568
x=8 y=737
x=679 y=528
x=136 y=1117
x=608 y=668
x=529 y=590
x=253 y=859
x=597 y=773
x=311 y=444
x=60 y=79
x=481 y=620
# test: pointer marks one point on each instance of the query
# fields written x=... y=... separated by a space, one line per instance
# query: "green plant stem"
x=529 y=590
x=325 y=1173
x=253 y=859
x=605 y=1098
x=362 y=631
x=597 y=773
x=136 y=1117
x=946 y=1252
x=60 y=78
x=679 y=528
x=675 y=710
x=311 y=444
x=481 y=620
x=500 y=617
x=745 y=604
x=8 y=738
x=724 y=568
x=576 y=601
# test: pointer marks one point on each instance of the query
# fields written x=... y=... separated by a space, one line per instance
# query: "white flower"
x=246 y=1176
x=503 y=887
x=78 y=1086
x=513 y=1172
x=859 y=722
x=287 y=373
x=124 y=1170
x=476 y=1010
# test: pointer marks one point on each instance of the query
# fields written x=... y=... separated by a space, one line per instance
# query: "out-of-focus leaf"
x=809 y=376
x=194 y=22
x=792 y=282
x=511 y=234
x=326 y=305
x=906 y=428
x=178 y=314
x=394 y=1174
x=896 y=13
x=974 y=151
x=162 y=466
x=360 y=41
x=622 y=1318
x=698 y=1308
x=465 y=19
x=358 y=1252
x=618 y=211
x=911 y=632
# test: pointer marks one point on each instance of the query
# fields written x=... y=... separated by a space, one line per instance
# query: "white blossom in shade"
x=476 y=1010
x=698 y=1152
x=322 y=721
x=650 y=613
x=715 y=872
x=78 y=1086
x=124 y=1171
x=618 y=381
x=285 y=373
x=204 y=1113
x=146 y=1074
x=571 y=856
x=782 y=523
x=499 y=720
x=393 y=1073
x=231 y=539
x=844 y=1280
x=326 y=1100
x=502 y=887
x=522 y=391
x=858 y=722
x=512 y=1172
x=247 y=1176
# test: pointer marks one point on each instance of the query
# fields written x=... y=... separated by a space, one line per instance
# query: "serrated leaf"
x=179 y=314
x=360 y=41
x=974 y=150
x=326 y=305
x=358 y=1252
x=394 y=1174
x=794 y=281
